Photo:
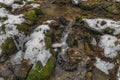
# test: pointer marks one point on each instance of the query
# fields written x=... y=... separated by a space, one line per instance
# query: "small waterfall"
x=64 y=44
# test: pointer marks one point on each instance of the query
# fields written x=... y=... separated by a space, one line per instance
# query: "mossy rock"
x=113 y=9
x=31 y=15
x=89 y=5
x=23 y=28
x=48 y=42
x=70 y=40
x=40 y=72
x=38 y=11
x=8 y=47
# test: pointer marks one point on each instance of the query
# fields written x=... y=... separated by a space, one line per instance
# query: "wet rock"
x=61 y=2
x=5 y=71
x=55 y=25
x=98 y=75
x=4 y=58
x=63 y=20
x=88 y=49
x=18 y=2
x=71 y=60
x=21 y=71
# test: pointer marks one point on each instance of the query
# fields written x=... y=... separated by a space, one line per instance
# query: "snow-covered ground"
x=35 y=46
x=110 y=44
x=103 y=66
x=100 y=24
x=10 y=25
x=36 y=50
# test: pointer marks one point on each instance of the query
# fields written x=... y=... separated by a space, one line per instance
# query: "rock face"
x=59 y=39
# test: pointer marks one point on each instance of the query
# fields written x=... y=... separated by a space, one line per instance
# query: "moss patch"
x=8 y=47
x=23 y=28
x=40 y=72
x=31 y=15
x=48 y=42
x=38 y=11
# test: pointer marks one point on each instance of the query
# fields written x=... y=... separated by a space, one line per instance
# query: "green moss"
x=40 y=72
x=31 y=15
x=48 y=33
x=8 y=47
x=38 y=11
x=48 y=42
x=23 y=28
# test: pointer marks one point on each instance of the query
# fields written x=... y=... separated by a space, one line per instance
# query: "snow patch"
x=14 y=19
x=34 y=5
x=3 y=12
x=10 y=25
x=77 y=1
x=103 y=66
x=110 y=44
x=99 y=24
x=117 y=0
x=7 y=2
x=94 y=42
x=35 y=47
x=11 y=29
x=1 y=78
